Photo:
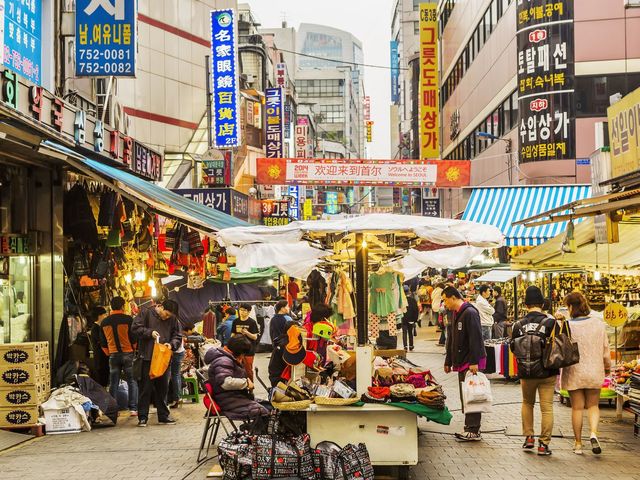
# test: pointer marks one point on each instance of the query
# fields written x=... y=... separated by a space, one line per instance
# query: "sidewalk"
x=168 y=452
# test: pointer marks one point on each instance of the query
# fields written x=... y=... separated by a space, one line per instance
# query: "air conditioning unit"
x=631 y=3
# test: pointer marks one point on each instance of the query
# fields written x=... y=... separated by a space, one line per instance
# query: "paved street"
x=169 y=452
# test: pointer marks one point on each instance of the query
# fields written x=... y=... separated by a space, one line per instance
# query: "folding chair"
x=213 y=418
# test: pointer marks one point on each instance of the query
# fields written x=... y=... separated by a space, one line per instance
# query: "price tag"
x=615 y=315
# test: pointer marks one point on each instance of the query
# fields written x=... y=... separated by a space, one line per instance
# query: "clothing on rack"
x=317 y=288
x=387 y=302
x=500 y=359
x=340 y=298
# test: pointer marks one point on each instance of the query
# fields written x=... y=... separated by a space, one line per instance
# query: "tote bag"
x=561 y=351
x=160 y=360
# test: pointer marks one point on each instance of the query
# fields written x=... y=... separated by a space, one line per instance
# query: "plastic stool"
x=192 y=386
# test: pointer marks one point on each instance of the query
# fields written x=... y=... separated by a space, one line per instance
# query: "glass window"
x=416 y=28
x=514 y=109
x=16 y=299
x=416 y=5
x=592 y=93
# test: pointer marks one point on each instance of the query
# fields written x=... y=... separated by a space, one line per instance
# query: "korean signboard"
x=217 y=173
x=23 y=38
x=297 y=171
x=546 y=80
x=274 y=117
x=428 y=91
x=105 y=38
x=301 y=135
x=146 y=162
x=624 y=134
x=216 y=198
x=331 y=199
x=367 y=108
x=395 y=72
x=239 y=205
x=16 y=245
x=431 y=207
x=369 y=130
x=281 y=75
x=294 y=205
x=224 y=79
x=308 y=209
x=275 y=212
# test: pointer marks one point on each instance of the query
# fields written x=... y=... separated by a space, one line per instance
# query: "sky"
x=367 y=20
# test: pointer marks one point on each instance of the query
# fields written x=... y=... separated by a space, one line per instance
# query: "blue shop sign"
x=395 y=72
x=106 y=38
x=23 y=37
x=224 y=79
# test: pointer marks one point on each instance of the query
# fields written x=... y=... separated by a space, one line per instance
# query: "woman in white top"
x=584 y=379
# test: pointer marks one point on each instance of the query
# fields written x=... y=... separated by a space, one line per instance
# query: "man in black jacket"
x=500 y=313
x=157 y=323
x=277 y=330
x=528 y=339
x=464 y=351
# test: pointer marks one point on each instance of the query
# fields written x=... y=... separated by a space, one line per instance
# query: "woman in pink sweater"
x=584 y=379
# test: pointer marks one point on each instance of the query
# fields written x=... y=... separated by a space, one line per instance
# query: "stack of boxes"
x=25 y=382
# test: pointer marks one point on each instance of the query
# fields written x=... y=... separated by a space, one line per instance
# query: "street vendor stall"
x=392 y=245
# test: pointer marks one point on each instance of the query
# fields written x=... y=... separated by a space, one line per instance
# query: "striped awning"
x=501 y=206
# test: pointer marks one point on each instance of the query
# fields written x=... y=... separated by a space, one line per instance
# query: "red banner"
x=416 y=173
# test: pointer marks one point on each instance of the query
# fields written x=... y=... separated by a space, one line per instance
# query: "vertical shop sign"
x=23 y=37
x=331 y=198
x=287 y=122
x=106 y=38
x=146 y=162
x=281 y=75
x=546 y=112
x=308 y=209
x=2 y=19
x=301 y=141
x=274 y=117
x=239 y=205
x=428 y=100
x=294 y=205
x=369 y=130
x=395 y=72
x=367 y=108
x=224 y=79
x=624 y=134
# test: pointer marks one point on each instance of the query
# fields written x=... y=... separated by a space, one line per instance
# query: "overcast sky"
x=367 y=20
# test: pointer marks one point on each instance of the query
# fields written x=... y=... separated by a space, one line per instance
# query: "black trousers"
x=158 y=388
x=471 y=420
x=407 y=331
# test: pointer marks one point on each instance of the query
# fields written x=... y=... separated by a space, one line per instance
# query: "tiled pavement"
x=169 y=452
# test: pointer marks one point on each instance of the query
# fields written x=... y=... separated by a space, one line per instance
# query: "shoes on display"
x=595 y=445
x=543 y=449
x=529 y=443
x=468 y=437
x=167 y=421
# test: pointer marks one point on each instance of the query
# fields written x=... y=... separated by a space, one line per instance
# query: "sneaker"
x=411 y=349
x=133 y=413
x=175 y=404
x=529 y=443
x=543 y=449
x=468 y=437
x=595 y=445
x=577 y=448
x=167 y=421
x=142 y=422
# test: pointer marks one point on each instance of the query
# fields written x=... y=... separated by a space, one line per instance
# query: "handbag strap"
x=273 y=455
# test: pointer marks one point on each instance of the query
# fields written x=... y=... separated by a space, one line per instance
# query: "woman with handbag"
x=584 y=379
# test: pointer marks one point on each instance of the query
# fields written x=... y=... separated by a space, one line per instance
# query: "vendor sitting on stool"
x=232 y=390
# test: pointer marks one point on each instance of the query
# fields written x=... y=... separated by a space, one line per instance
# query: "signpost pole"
x=207 y=73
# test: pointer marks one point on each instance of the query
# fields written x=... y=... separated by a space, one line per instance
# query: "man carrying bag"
x=528 y=340
x=156 y=325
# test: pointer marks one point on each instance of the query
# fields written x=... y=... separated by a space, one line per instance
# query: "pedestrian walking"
x=486 y=310
x=118 y=342
x=530 y=335
x=464 y=352
x=409 y=320
x=500 y=313
x=584 y=380
x=248 y=327
x=157 y=324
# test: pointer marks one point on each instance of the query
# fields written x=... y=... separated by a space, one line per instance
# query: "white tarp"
x=499 y=276
x=415 y=262
x=440 y=231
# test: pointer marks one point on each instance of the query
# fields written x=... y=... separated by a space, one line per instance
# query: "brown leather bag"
x=561 y=351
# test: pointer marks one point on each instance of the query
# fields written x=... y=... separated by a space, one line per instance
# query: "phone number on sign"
x=109 y=54
x=106 y=68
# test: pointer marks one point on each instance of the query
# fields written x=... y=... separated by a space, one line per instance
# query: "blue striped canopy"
x=501 y=206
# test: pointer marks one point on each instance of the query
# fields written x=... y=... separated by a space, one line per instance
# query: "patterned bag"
x=325 y=460
x=235 y=454
x=354 y=463
x=277 y=456
x=195 y=243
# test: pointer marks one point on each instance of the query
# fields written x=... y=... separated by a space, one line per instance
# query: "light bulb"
x=270 y=282
x=128 y=278
x=140 y=276
x=532 y=276
x=597 y=276
x=364 y=244
x=154 y=292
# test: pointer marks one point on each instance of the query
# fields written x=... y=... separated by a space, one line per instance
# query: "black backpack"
x=528 y=350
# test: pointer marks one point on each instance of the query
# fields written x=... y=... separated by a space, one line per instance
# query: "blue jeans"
x=176 y=377
x=123 y=362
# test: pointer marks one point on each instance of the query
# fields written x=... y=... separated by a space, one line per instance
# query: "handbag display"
x=561 y=351
x=354 y=463
x=195 y=243
x=279 y=456
x=235 y=455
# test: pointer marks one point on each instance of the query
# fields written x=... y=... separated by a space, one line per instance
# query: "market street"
x=169 y=452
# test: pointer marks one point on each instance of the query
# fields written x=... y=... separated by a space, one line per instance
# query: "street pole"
x=207 y=82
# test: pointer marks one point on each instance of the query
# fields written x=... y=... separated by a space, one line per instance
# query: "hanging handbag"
x=143 y=239
x=561 y=351
x=108 y=202
x=160 y=269
x=81 y=265
x=113 y=238
x=195 y=243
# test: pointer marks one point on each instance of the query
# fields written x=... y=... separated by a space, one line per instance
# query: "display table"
x=390 y=433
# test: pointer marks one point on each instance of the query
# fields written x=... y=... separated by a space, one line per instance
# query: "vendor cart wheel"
x=403 y=472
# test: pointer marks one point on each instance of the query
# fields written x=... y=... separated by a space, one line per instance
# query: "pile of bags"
x=264 y=457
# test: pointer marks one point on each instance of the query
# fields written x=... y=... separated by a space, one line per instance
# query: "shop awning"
x=622 y=257
x=147 y=194
x=498 y=276
x=502 y=206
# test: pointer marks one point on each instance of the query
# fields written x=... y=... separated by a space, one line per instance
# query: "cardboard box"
x=24 y=374
x=22 y=353
x=66 y=420
x=24 y=395
x=19 y=416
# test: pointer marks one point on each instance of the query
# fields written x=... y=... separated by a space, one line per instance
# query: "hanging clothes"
x=381 y=294
x=317 y=288
x=378 y=323
x=209 y=323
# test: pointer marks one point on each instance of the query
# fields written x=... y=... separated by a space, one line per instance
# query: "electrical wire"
x=339 y=61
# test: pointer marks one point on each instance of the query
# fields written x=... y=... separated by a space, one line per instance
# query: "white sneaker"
x=468 y=437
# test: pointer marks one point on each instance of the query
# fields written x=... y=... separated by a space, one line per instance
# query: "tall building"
x=480 y=66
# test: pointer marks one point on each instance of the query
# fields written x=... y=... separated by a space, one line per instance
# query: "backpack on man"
x=528 y=350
